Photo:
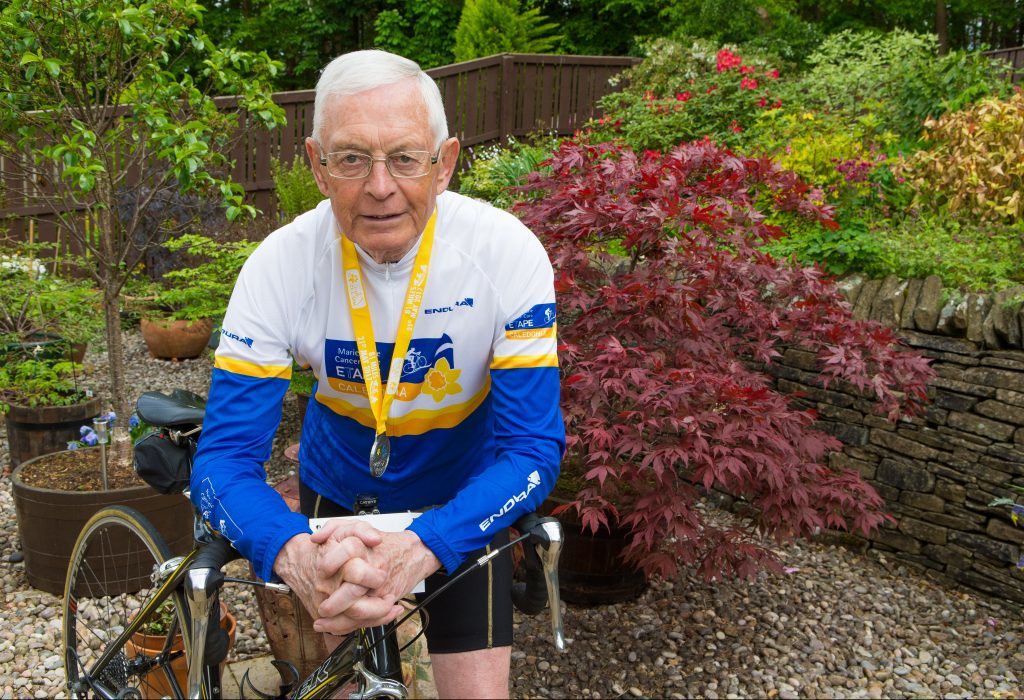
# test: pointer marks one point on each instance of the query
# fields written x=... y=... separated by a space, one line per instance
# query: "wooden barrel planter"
x=34 y=431
x=49 y=522
x=176 y=340
x=591 y=570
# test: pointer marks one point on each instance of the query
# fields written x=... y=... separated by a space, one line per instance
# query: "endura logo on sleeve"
x=532 y=482
x=234 y=336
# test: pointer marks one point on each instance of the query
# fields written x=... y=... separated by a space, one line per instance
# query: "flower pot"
x=176 y=340
x=156 y=684
x=34 y=431
x=49 y=521
x=591 y=570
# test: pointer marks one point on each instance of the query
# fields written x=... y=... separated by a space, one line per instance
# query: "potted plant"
x=151 y=639
x=184 y=307
x=42 y=315
x=44 y=406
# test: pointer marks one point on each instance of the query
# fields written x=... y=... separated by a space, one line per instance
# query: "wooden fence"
x=486 y=101
x=1015 y=57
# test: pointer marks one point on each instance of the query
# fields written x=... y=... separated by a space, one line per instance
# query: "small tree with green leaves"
x=498 y=26
x=108 y=104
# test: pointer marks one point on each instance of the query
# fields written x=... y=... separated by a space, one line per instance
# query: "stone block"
x=1004 y=317
x=1011 y=397
x=971 y=520
x=947 y=490
x=888 y=301
x=820 y=395
x=1014 y=364
x=955 y=402
x=926 y=435
x=929 y=303
x=910 y=303
x=801 y=359
x=902 y=445
x=905 y=476
x=986 y=546
x=777 y=369
x=1005 y=531
x=944 y=555
x=954 y=522
x=995 y=377
x=889 y=494
x=962 y=440
x=1018 y=437
x=850 y=287
x=964 y=387
x=897 y=540
x=923 y=501
x=977 y=309
x=989 y=584
x=868 y=290
x=856 y=435
x=1006 y=454
x=879 y=423
x=840 y=460
x=837 y=413
x=923 y=531
x=976 y=425
x=1003 y=412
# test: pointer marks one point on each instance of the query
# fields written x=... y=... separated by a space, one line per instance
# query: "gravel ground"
x=840 y=624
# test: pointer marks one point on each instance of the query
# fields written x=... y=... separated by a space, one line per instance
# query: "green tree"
x=498 y=26
x=421 y=30
x=109 y=102
x=304 y=36
x=604 y=27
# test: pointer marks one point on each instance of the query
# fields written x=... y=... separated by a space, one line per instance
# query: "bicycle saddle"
x=180 y=407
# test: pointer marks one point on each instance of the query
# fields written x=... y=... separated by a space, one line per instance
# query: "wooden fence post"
x=507 y=98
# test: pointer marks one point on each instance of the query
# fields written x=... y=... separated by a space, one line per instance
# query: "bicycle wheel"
x=110 y=578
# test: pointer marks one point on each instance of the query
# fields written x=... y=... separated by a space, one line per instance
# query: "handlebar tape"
x=214 y=556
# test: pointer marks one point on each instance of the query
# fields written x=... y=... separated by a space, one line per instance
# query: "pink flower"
x=763 y=102
x=735 y=127
x=684 y=96
x=727 y=60
x=712 y=89
x=778 y=103
x=747 y=69
x=648 y=95
x=748 y=84
x=774 y=73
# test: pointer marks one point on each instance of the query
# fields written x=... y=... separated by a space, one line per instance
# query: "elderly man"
x=429 y=321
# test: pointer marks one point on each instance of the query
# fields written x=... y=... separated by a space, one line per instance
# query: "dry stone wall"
x=938 y=472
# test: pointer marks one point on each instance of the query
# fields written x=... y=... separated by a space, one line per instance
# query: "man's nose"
x=380 y=183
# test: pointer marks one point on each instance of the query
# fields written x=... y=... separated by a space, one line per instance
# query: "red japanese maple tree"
x=667 y=307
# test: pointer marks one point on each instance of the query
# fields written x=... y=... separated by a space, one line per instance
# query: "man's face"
x=382 y=214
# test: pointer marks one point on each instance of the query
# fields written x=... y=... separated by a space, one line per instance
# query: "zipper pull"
x=387 y=272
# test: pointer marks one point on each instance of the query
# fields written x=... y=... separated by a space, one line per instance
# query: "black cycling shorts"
x=475 y=613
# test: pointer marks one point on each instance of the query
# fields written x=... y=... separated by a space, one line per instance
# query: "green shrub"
x=40 y=383
x=202 y=290
x=495 y=171
x=297 y=191
x=497 y=26
x=899 y=73
x=966 y=255
x=851 y=247
x=682 y=93
x=975 y=163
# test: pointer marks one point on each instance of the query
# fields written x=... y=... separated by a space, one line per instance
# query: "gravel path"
x=841 y=624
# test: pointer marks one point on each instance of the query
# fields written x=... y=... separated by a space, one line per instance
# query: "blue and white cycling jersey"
x=475 y=426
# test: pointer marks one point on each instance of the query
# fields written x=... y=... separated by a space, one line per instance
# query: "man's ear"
x=449 y=159
x=313 y=151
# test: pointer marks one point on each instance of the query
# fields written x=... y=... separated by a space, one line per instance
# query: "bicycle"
x=122 y=577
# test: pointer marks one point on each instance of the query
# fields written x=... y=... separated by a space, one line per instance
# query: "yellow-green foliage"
x=812 y=143
x=974 y=164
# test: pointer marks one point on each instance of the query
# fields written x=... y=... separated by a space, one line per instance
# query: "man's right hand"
x=300 y=565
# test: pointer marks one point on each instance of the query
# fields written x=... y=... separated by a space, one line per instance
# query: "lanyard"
x=380 y=400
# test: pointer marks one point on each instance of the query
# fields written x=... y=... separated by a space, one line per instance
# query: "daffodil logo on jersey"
x=537 y=322
x=428 y=367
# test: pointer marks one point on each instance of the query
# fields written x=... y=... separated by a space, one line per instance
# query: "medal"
x=380 y=454
x=380 y=397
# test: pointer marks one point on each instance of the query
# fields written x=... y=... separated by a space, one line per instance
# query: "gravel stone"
x=843 y=625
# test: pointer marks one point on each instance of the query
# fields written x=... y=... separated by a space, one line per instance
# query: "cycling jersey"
x=475 y=429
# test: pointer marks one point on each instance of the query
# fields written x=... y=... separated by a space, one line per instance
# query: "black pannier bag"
x=162 y=464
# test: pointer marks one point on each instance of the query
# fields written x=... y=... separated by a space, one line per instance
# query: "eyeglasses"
x=353 y=165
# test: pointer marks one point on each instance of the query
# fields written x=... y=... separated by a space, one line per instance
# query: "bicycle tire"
x=109 y=577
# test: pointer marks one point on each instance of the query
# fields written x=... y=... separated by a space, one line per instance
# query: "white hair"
x=359 y=71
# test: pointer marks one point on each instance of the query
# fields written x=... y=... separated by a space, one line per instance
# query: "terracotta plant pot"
x=49 y=522
x=156 y=684
x=176 y=340
x=34 y=431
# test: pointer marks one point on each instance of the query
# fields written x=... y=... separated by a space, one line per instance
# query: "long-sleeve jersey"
x=475 y=428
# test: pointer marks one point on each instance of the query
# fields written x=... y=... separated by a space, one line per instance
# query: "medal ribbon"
x=380 y=401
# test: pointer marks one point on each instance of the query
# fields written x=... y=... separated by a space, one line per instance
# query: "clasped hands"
x=350 y=575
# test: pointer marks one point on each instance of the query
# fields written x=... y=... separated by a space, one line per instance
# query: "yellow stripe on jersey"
x=524 y=361
x=251 y=369
x=532 y=333
x=415 y=422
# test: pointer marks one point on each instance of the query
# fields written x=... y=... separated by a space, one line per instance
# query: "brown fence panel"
x=1015 y=57
x=486 y=100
